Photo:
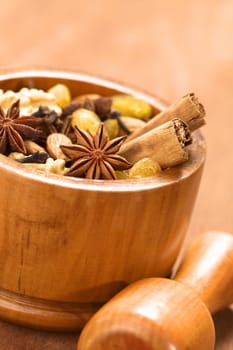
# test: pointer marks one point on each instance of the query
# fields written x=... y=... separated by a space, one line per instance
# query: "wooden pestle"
x=163 y=314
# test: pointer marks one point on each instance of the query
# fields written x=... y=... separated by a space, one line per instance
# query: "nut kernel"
x=55 y=166
x=30 y=100
x=33 y=147
x=53 y=143
x=132 y=124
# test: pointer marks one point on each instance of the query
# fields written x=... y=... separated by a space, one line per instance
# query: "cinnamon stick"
x=165 y=144
x=188 y=109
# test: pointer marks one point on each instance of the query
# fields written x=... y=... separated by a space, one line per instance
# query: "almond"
x=54 y=141
x=33 y=147
x=132 y=123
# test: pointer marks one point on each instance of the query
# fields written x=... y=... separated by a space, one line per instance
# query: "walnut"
x=30 y=100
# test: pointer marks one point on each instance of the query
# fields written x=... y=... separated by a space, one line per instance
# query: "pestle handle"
x=207 y=267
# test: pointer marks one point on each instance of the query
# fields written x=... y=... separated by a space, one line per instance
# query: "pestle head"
x=151 y=314
x=163 y=314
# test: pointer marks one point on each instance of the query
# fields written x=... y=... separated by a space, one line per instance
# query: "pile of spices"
x=95 y=137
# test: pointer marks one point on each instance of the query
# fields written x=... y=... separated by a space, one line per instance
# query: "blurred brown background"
x=166 y=47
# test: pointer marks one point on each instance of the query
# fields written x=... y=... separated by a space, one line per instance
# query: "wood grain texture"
x=169 y=48
x=72 y=244
x=207 y=268
x=148 y=145
x=159 y=313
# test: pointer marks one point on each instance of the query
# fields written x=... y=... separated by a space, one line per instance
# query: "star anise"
x=95 y=157
x=13 y=129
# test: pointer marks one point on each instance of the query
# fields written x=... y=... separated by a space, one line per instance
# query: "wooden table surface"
x=165 y=47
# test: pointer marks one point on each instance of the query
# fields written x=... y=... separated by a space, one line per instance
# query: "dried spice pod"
x=95 y=157
x=14 y=129
x=68 y=110
x=37 y=157
x=53 y=143
x=103 y=107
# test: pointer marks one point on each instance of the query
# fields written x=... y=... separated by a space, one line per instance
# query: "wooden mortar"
x=68 y=245
x=164 y=314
